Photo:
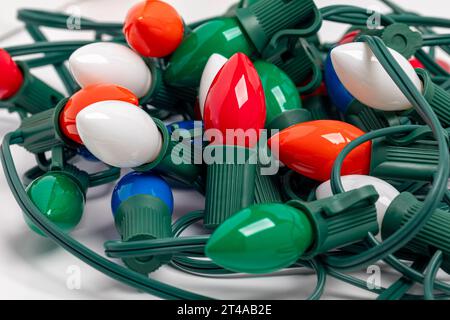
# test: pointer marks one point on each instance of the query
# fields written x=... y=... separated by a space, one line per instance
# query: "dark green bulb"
x=261 y=239
x=281 y=93
x=223 y=36
x=59 y=198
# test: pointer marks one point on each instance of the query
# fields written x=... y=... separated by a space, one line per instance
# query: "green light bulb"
x=283 y=104
x=223 y=36
x=261 y=239
x=59 y=198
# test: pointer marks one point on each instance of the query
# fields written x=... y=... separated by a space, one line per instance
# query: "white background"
x=32 y=267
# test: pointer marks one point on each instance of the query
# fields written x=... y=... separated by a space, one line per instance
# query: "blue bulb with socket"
x=142 y=206
x=339 y=96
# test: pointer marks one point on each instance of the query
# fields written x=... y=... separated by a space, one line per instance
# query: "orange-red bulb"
x=235 y=101
x=11 y=77
x=153 y=28
x=310 y=148
x=85 y=97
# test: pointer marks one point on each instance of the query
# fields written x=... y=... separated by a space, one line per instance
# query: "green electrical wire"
x=430 y=275
x=399 y=288
x=63 y=73
x=412 y=227
x=95 y=260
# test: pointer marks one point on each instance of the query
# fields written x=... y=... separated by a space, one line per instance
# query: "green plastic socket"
x=438 y=98
x=143 y=217
x=35 y=95
x=369 y=119
x=165 y=97
x=416 y=161
x=401 y=38
x=264 y=18
x=40 y=132
x=230 y=184
x=298 y=59
x=340 y=220
x=433 y=236
x=187 y=171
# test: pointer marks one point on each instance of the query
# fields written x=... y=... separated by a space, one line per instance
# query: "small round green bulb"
x=59 y=198
x=281 y=93
x=261 y=239
x=223 y=36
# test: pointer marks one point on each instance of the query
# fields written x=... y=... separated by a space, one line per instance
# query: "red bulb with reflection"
x=236 y=100
x=11 y=78
x=311 y=148
x=153 y=28
x=87 y=96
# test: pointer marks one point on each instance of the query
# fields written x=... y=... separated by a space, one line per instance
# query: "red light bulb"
x=11 y=77
x=85 y=97
x=236 y=99
x=349 y=37
x=153 y=28
x=310 y=148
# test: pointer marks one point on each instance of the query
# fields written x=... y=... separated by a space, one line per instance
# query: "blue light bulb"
x=135 y=183
x=340 y=96
x=86 y=154
x=186 y=125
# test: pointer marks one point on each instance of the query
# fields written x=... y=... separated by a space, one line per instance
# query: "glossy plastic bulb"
x=236 y=99
x=106 y=62
x=365 y=78
x=153 y=28
x=223 y=36
x=280 y=92
x=59 y=198
x=340 y=96
x=11 y=77
x=137 y=183
x=119 y=134
x=261 y=239
x=212 y=68
x=386 y=192
x=87 y=96
x=311 y=148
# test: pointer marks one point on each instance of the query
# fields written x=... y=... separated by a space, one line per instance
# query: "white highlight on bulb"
x=212 y=68
x=365 y=78
x=106 y=62
x=119 y=133
x=387 y=193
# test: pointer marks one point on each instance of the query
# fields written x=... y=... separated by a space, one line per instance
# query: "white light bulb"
x=365 y=78
x=386 y=192
x=212 y=68
x=119 y=133
x=106 y=62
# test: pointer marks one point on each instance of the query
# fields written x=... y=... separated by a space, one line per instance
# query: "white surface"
x=113 y=63
x=365 y=78
x=34 y=268
x=119 y=133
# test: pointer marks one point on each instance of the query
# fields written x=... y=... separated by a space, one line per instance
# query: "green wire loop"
x=95 y=260
x=413 y=226
x=430 y=275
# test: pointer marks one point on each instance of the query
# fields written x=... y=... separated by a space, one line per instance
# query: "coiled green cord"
x=430 y=274
x=413 y=226
x=60 y=68
x=95 y=260
x=187 y=249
